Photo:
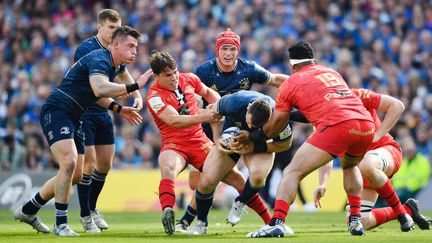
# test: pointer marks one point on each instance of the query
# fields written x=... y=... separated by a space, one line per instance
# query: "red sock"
x=407 y=209
x=388 y=193
x=166 y=193
x=258 y=205
x=281 y=209
x=383 y=215
x=355 y=204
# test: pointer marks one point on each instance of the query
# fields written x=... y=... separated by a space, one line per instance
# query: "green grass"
x=147 y=227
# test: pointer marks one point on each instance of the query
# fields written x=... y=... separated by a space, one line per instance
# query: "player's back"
x=322 y=96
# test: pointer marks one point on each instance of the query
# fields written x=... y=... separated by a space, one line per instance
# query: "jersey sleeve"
x=261 y=75
x=97 y=66
x=224 y=105
x=156 y=103
x=283 y=98
x=370 y=99
x=201 y=74
x=80 y=52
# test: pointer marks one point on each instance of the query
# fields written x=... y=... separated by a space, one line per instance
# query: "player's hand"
x=223 y=146
x=318 y=194
x=208 y=115
x=144 y=78
x=243 y=137
x=242 y=148
x=138 y=103
x=130 y=114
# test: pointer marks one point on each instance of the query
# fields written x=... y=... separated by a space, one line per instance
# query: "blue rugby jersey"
x=83 y=49
x=74 y=92
x=242 y=77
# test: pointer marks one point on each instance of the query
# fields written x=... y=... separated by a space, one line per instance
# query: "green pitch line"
x=147 y=227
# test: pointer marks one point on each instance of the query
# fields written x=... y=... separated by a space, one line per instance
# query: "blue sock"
x=33 y=206
x=248 y=192
x=189 y=215
x=204 y=203
x=97 y=183
x=61 y=213
x=83 y=195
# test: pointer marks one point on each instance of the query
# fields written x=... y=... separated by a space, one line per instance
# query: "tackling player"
x=344 y=128
x=380 y=163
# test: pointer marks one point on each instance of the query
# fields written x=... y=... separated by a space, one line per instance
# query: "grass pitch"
x=147 y=227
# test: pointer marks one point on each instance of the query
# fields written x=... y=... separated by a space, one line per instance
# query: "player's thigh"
x=259 y=164
x=307 y=159
x=216 y=166
x=65 y=153
x=171 y=164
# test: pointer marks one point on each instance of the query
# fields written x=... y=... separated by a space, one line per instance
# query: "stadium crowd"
x=385 y=46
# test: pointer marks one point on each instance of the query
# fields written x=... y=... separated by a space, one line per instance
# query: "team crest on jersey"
x=214 y=87
x=50 y=135
x=238 y=124
x=189 y=89
x=244 y=84
x=64 y=130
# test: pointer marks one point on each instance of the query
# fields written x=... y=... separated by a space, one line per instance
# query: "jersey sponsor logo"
x=214 y=87
x=156 y=103
x=64 y=130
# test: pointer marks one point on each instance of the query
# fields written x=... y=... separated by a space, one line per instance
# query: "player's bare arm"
x=130 y=114
x=126 y=78
x=209 y=95
x=324 y=174
x=171 y=117
x=393 y=109
x=276 y=79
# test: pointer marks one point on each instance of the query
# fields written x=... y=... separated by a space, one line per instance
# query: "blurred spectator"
x=414 y=172
x=12 y=154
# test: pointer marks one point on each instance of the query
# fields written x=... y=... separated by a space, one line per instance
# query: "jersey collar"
x=220 y=70
x=97 y=41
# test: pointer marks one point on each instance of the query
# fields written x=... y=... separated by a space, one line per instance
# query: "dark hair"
x=161 y=61
x=301 y=50
x=260 y=111
x=109 y=14
x=124 y=31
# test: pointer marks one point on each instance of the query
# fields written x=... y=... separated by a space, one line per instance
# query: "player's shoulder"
x=246 y=62
x=206 y=66
x=188 y=76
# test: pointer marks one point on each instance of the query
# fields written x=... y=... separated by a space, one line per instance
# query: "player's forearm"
x=390 y=119
x=113 y=89
x=211 y=96
x=184 y=121
x=324 y=173
x=104 y=102
x=279 y=147
x=277 y=79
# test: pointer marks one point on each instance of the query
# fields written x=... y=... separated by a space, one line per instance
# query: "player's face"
x=126 y=49
x=168 y=79
x=249 y=120
x=107 y=28
x=228 y=55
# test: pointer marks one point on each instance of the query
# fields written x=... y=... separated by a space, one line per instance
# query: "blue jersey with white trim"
x=74 y=92
x=234 y=107
x=245 y=74
x=83 y=49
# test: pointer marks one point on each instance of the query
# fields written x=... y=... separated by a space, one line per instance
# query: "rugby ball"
x=229 y=134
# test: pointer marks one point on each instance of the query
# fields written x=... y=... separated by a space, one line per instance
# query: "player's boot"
x=99 y=220
x=63 y=230
x=200 y=228
x=235 y=213
x=168 y=220
x=355 y=226
x=89 y=225
x=418 y=218
x=268 y=231
x=181 y=226
x=33 y=220
x=406 y=222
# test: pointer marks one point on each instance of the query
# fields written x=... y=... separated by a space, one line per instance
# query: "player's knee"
x=258 y=179
x=68 y=164
x=207 y=184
